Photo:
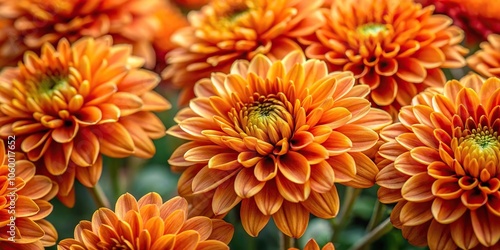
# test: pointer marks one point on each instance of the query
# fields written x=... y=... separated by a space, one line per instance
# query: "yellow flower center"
x=51 y=92
x=477 y=157
x=480 y=148
x=50 y=84
x=371 y=29
x=266 y=119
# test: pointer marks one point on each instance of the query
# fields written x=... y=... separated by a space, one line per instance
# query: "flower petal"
x=418 y=188
x=266 y=168
x=463 y=234
x=439 y=236
x=486 y=226
x=268 y=200
x=89 y=176
x=125 y=203
x=323 y=205
x=413 y=213
x=337 y=143
x=322 y=177
x=200 y=224
x=187 y=240
x=207 y=179
x=85 y=149
x=225 y=197
x=292 y=191
x=292 y=219
x=294 y=167
x=246 y=184
x=343 y=166
x=411 y=70
x=114 y=139
x=366 y=171
x=252 y=219
x=221 y=231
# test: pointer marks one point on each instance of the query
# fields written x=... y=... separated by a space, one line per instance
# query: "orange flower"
x=440 y=164
x=313 y=245
x=31 y=23
x=149 y=224
x=395 y=47
x=486 y=61
x=224 y=31
x=72 y=104
x=276 y=136
x=24 y=203
x=478 y=18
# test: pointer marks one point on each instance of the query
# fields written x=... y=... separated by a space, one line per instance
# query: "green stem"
x=286 y=241
x=351 y=194
x=99 y=196
x=114 y=171
x=379 y=231
x=378 y=213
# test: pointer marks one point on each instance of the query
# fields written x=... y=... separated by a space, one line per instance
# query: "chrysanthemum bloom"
x=478 y=18
x=486 y=61
x=224 y=31
x=313 y=245
x=396 y=47
x=25 y=196
x=149 y=224
x=441 y=165
x=275 y=137
x=73 y=103
x=31 y=23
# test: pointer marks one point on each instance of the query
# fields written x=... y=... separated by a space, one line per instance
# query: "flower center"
x=478 y=151
x=477 y=157
x=267 y=119
x=51 y=83
x=47 y=89
x=371 y=29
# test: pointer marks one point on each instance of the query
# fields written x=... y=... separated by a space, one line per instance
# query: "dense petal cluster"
x=28 y=24
x=486 y=61
x=441 y=165
x=275 y=137
x=74 y=103
x=396 y=47
x=478 y=18
x=149 y=224
x=313 y=245
x=224 y=31
x=24 y=203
